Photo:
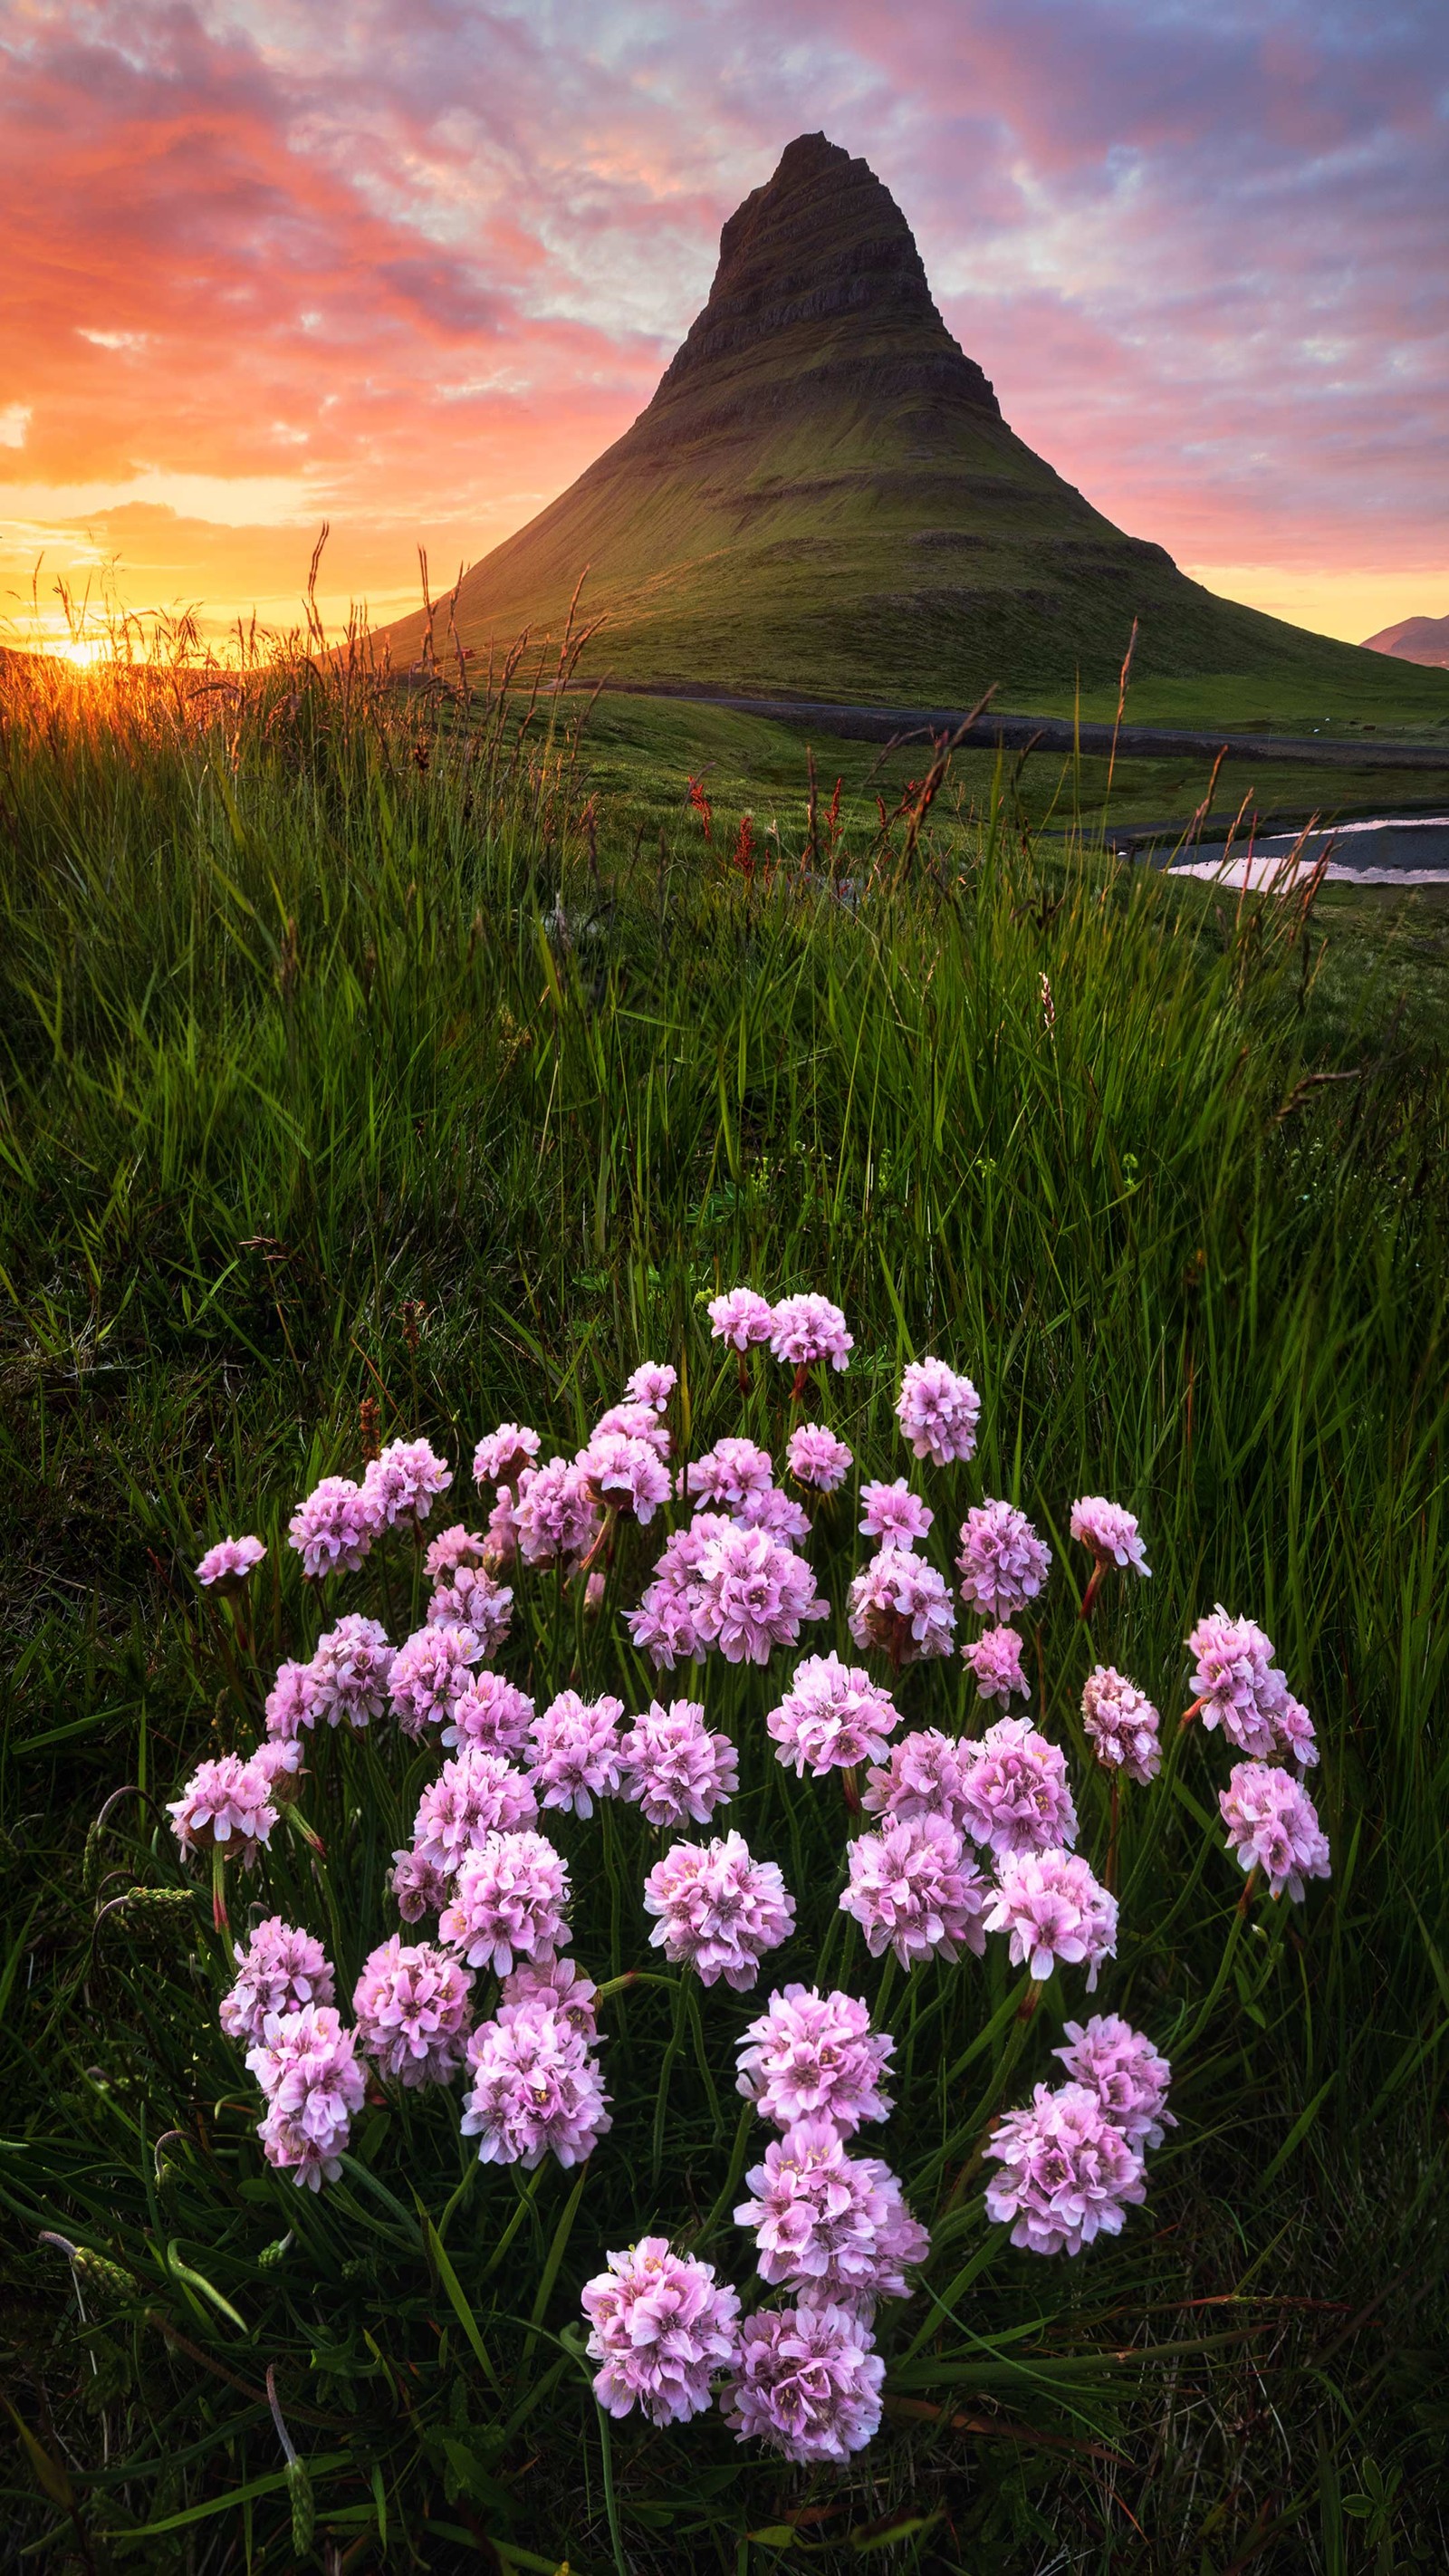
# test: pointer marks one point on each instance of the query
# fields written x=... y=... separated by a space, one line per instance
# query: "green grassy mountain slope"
x=823 y=497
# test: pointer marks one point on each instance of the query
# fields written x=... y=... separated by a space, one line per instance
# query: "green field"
x=353 y=1048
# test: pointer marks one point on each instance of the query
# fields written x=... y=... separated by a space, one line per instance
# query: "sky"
x=406 y=266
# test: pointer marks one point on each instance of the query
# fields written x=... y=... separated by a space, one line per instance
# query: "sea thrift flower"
x=1015 y=1795
x=290 y=1702
x=450 y=1549
x=225 y=1567
x=1125 y=2072
x=349 y=1671
x=778 y=1513
x=226 y=1805
x=278 y=1760
x=307 y=2068
x=624 y=1474
x=561 y=1984
x=830 y=2222
x=832 y=1716
x=894 y=1513
x=278 y=1972
x=535 y=2089
x=1293 y=1728
x=1067 y=2172
x=333 y=1530
x=401 y=1482
x=1003 y=1563
x=635 y=1421
x=418 y=1886
x=661 y=2325
x=1110 y=1532
x=1240 y=1689
x=741 y=1318
x=924 y=1775
x=1122 y=1724
x=914 y=1890
x=750 y=1594
x=1273 y=1825
x=665 y=1625
x=816 y=1457
x=674 y=1767
x=938 y=1412
x=509 y=1901
x=1053 y=1909
x=429 y=1674
x=411 y=2005
x=719 y=1910
x=502 y=1534
x=502 y=1455
x=727 y=1473
x=476 y=1794
x=900 y=1603
x=652 y=1383
x=555 y=1515
x=491 y=1713
x=815 y=2057
x=473 y=1600
x=574 y=1752
x=808 y=1328
x=995 y=1659
x=807 y=2381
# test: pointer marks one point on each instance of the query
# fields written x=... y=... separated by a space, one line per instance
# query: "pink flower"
x=661 y=2325
x=1122 y=1723
x=674 y=1768
x=830 y=2222
x=290 y=1702
x=491 y=1713
x=1240 y=1689
x=831 y=1717
x=535 y=2089
x=333 y=1530
x=636 y=1421
x=1015 y=1792
x=727 y=1473
x=778 y=1513
x=278 y=1972
x=938 y=1412
x=401 y=1482
x=412 y=2012
x=913 y=1889
x=473 y=1600
x=816 y=1457
x=1273 y=1825
x=509 y=1900
x=476 y=1794
x=307 y=2068
x=1054 y=1910
x=279 y=1763
x=924 y=1775
x=1110 y=1532
x=807 y=2381
x=749 y=1594
x=450 y=1549
x=563 y=1986
x=555 y=1516
x=225 y=1567
x=226 y=1805
x=995 y=1659
x=894 y=1513
x=808 y=1328
x=1294 y=1730
x=429 y=1674
x=418 y=1886
x=740 y=1318
x=574 y=1752
x=719 y=1910
x=1125 y=2072
x=350 y=1670
x=653 y=1382
x=665 y=1625
x=900 y=1604
x=502 y=1527
x=624 y=1474
x=1068 y=2174
x=815 y=2057
x=502 y=1455
x=1003 y=1563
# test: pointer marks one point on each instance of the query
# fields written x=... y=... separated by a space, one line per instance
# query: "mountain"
x=1415 y=639
x=824 y=499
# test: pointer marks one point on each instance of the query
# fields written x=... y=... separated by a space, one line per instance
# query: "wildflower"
x=429 y=1674
x=1240 y=1689
x=815 y=2057
x=806 y=1329
x=403 y=1480
x=574 y=1752
x=995 y=1659
x=624 y=1474
x=1112 y=1535
x=938 y=1412
x=290 y=1702
x=816 y=1457
x=502 y=1536
x=350 y=1669
x=491 y=1713
x=831 y=1717
x=418 y=1886
x=741 y=1318
x=473 y=1600
x=674 y=1768
x=451 y=1549
x=894 y=1513
x=307 y=2067
x=226 y=1805
x=830 y=2222
x=924 y=1775
x=750 y=1594
x=636 y=1421
x=476 y=1794
x=1053 y=1909
x=411 y=2004
x=900 y=1603
x=1125 y=2072
x=914 y=1890
x=563 y=1986
x=807 y=2381
x=652 y=1383
x=1002 y=1561
x=555 y=1516
x=509 y=1900
x=278 y=1760
x=278 y=1972
x=1122 y=1723
x=535 y=2089
x=502 y=1455
x=778 y=1513
x=1068 y=2173
x=1273 y=1825
x=661 y=2325
x=333 y=1530
x=719 y=1910
x=1015 y=1792
x=225 y=1567
x=727 y=1473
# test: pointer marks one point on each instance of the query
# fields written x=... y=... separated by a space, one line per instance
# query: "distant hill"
x=1416 y=639
x=823 y=498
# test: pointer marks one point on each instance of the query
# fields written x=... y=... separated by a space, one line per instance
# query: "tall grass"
x=347 y=1053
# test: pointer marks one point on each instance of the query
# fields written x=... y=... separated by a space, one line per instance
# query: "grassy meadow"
x=360 y=1046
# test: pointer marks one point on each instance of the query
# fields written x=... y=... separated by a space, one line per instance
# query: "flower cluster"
x=348 y=1677
x=1015 y=1795
x=1110 y=1532
x=534 y=2086
x=913 y=1890
x=226 y=1567
x=573 y=1755
x=470 y=1597
x=411 y=2004
x=717 y=1584
x=718 y=1910
x=1273 y=1826
x=901 y=1604
x=502 y=1455
x=306 y=2065
x=674 y=1767
x=333 y=1530
x=808 y=1328
x=509 y=1900
x=279 y=1971
x=227 y=1805
x=662 y=2327
x=1122 y=1724
x=429 y=1674
x=402 y=1482
x=1003 y=1564
x=807 y=2381
x=995 y=1659
x=1242 y=1690
x=491 y=1713
x=815 y=1457
x=830 y=2223
x=831 y=1717
x=894 y=1514
x=938 y=1412
x=476 y=1794
x=925 y=1775
x=815 y=2057
x=1053 y=1908
x=1068 y=2173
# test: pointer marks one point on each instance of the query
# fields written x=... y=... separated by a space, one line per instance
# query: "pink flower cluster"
x=278 y=1972
x=502 y=1455
x=1003 y=1563
x=492 y=1713
x=555 y=1519
x=925 y=1775
x=1015 y=1794
x=411 y=2004
x=1110 y=1532
x=938 y=1412
x=1054 y=1909
x=662 y=2326
x=476 y=1794
x=741 y=1318
x=808 y=1328
x=652 y=1383
x=401 y=1483
x=1273 y=1826
x=912 y=1889
x=451 y=1549
x=718 y=1910
x=1122 y=1723
x=995 y=1659
x=894 y=1513
x=830 y=2223
x=535 y=2087
x=719 y=1585
x=1239 y=1688
x=815 y=1457
x=1068 y=2174
x=574 y=1754
x=900 y=1604
x=348 y=1677
x=472 y=1599
x=674 y=1767
x=227 y=1805
x=831 y=1717
x=727 y=1473
x=509 y=1900
x=226 y=1566
x=429 y=1675
x=1125 y=2071
x=306 y=2065
x=333 y=1529
x=807 y=2381
x=624 y=1474
x=815 y=2057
